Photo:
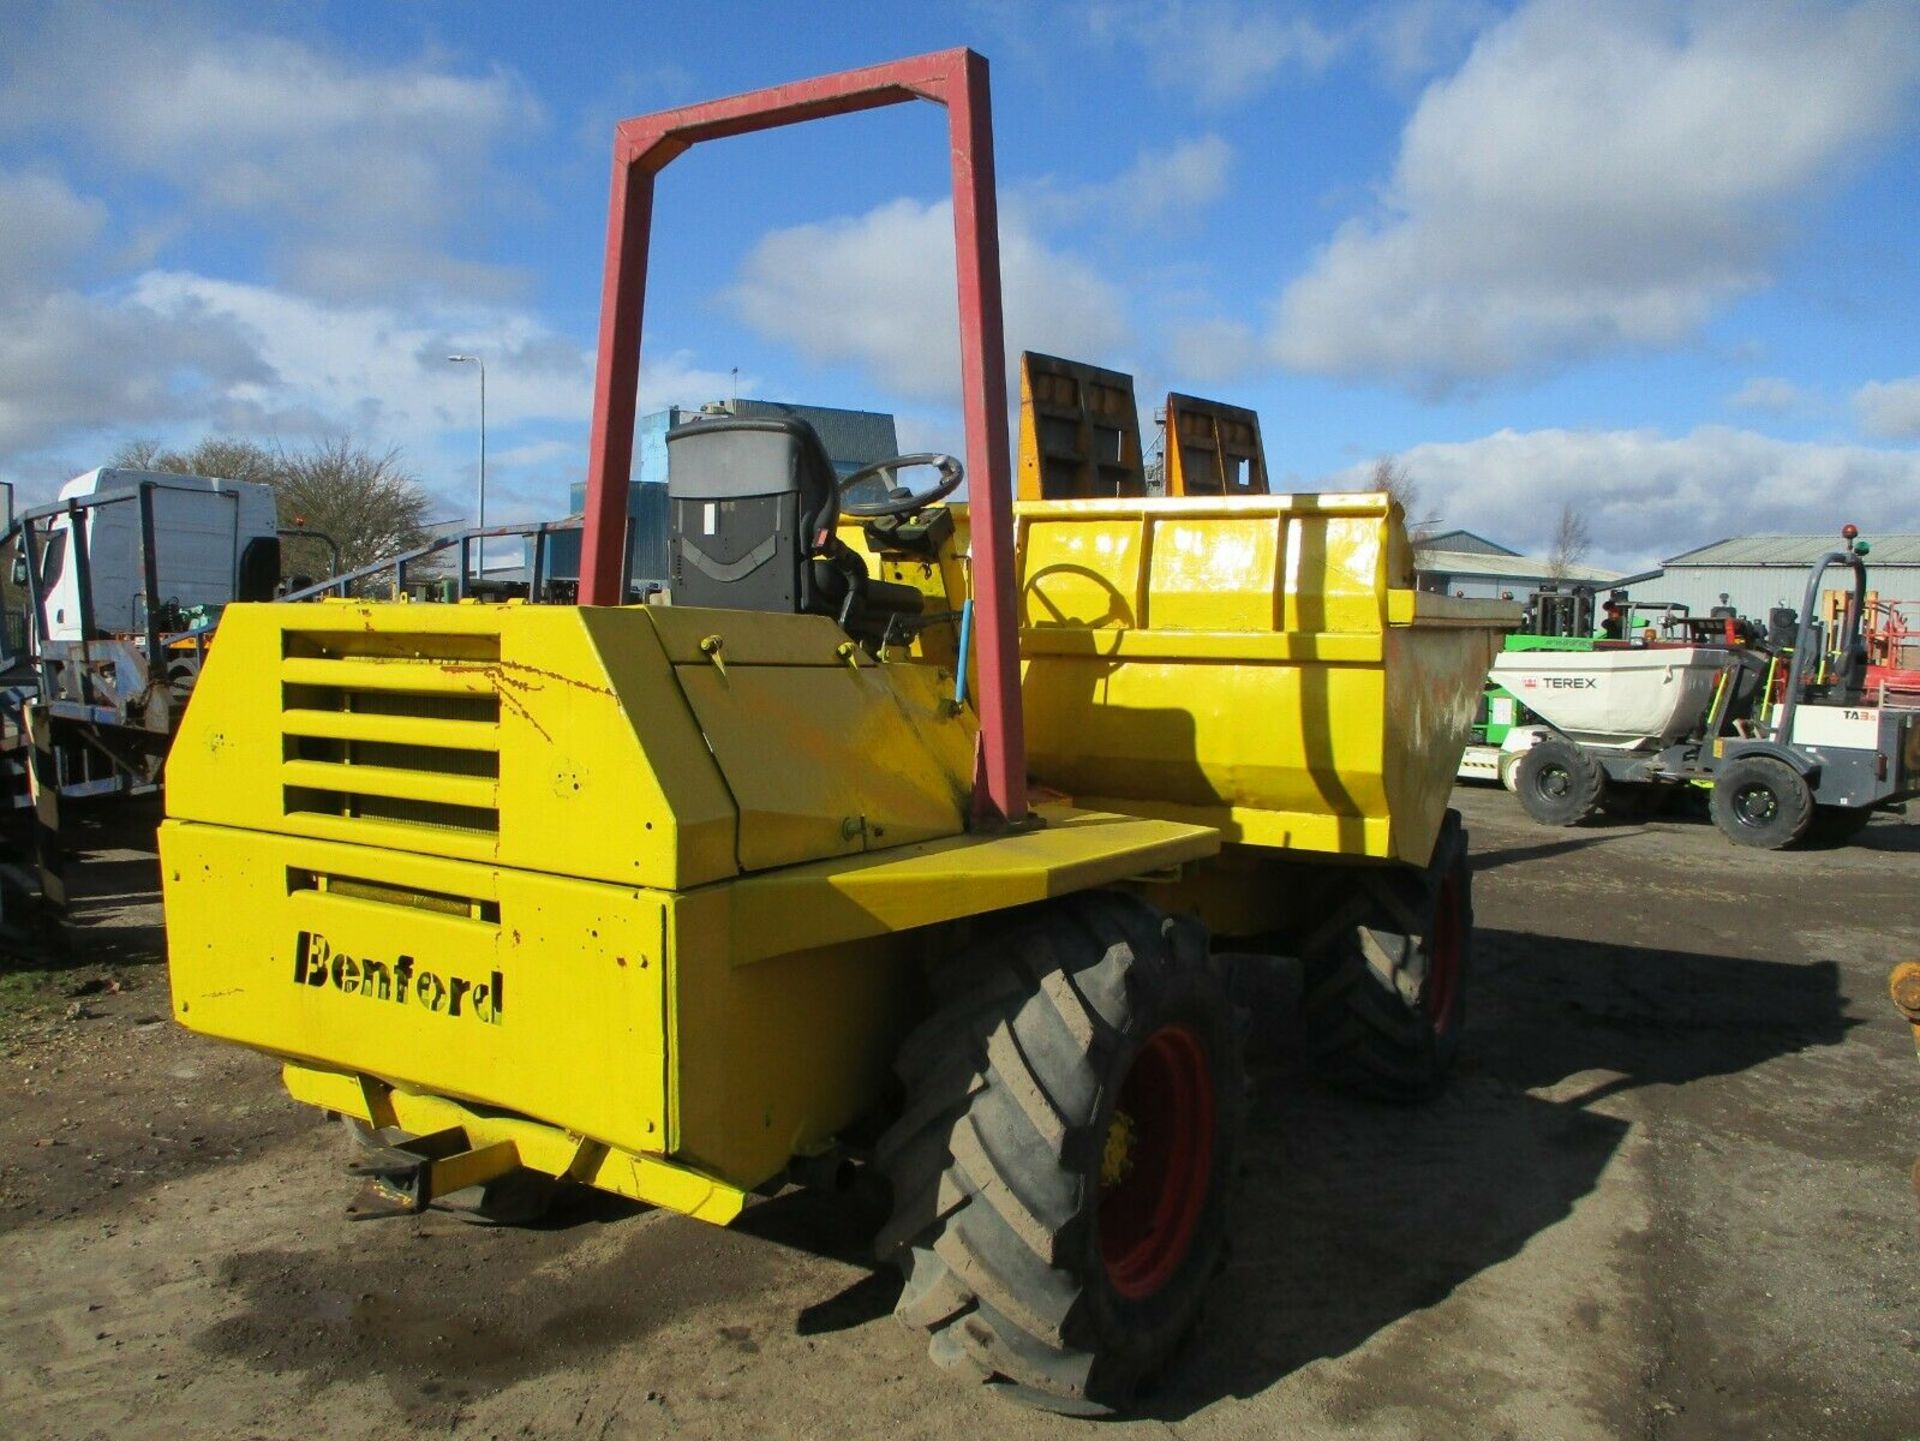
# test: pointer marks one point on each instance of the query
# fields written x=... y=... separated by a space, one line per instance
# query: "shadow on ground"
x=110 y=869
x=1366 y=1214
x=1354 y=1216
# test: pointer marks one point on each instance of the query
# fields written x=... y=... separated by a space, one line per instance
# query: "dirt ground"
x=1666 y=1198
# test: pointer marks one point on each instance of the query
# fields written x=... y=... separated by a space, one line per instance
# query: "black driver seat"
x=753 y=506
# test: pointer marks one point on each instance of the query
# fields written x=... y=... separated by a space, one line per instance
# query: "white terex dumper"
x=1640 y=698
x=1782 y=731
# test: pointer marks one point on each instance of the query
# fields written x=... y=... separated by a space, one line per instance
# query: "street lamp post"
x=480 y=520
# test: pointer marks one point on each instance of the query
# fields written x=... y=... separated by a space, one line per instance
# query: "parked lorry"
x=870 y=849
x=213 y=541
x=116 y=585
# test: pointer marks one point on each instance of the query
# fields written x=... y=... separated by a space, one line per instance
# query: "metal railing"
x=464 y=580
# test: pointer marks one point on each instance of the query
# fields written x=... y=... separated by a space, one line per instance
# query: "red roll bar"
x=645 y=146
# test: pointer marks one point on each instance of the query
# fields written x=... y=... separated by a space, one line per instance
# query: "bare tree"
x=217 y=456
x=1396 y=480
x=370 y=504
x=1571 y=542
x=144 y=454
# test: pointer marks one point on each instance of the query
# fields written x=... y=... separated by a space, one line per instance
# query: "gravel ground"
x=1666 y=1198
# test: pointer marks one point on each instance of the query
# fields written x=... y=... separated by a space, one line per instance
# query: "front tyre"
x=1559 y=784
x=1061 y=1169
x=1761 y=802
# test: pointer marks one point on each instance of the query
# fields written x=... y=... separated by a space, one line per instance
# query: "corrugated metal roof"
x=1798 y=550
x=1504 y=567
x=1752 y=589
x=1464 y=542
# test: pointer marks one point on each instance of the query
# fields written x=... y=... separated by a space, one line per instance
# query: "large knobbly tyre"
x=1061 y=1169
x=1762 y=802
x=1559 y=784
x=1386 y=976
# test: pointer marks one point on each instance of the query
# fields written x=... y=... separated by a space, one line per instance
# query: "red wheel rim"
x=1443 y=958
x=1164 y=1117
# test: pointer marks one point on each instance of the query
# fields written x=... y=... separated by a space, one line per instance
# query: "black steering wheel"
x=900 y=500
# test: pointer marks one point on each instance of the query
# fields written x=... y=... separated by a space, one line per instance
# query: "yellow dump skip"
x=1260 y=664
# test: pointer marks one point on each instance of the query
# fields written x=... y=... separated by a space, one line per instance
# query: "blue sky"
x=1654 y=259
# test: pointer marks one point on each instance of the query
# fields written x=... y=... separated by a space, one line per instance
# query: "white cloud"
x=1159 y=184
x=1413 y=38
x=1204 y=351
x=1767 y=393
x=362 y=177
x=71 y=363
x=70 y=360
x=1225 y=52
x=48 y=229
x=877 y=289
x=1218 y=51
x=1647 y=495
x=185 y=355
x=382 y=371
x=1890 y=408
x=1596 y=177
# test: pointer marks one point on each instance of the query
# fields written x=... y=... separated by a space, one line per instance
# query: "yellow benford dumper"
x=679 y=900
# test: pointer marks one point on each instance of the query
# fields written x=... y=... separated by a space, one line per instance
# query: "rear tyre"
x=1060 y=1171
x=1761 y=802
x=1559 y=784
x=1386 y=977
